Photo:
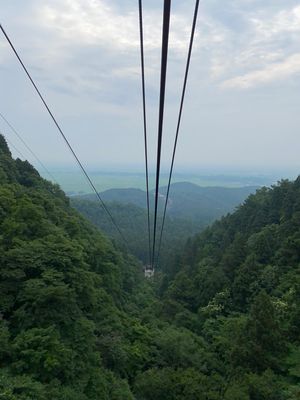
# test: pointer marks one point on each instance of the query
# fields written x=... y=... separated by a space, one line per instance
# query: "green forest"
x=78 y=321
x=133 y=223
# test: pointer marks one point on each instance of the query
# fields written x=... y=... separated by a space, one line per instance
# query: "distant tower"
x=148 y=271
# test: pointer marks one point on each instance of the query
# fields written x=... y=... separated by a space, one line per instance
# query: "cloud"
x=272 y=72
x=84 y=56
x=267 y=51
x=84 y=36
x=285 y=21
x=95 y=44
x=99 y=23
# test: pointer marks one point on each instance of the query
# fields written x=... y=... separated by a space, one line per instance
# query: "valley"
x=80 y=321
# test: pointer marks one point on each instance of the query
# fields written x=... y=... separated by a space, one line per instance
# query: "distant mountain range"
x=186 y=200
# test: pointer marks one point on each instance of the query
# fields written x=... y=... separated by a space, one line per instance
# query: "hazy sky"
x=242 y=107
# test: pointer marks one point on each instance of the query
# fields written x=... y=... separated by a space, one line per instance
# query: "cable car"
x=148 y=271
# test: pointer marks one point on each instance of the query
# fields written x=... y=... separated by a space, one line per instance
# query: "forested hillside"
x=62 y=292
x=238 y=287
x=191 y=209
x=79 y=322
x=132 y=221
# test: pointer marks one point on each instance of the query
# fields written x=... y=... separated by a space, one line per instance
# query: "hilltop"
x=186 y=200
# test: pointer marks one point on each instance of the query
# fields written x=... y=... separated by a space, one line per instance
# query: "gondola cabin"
x=148 y=271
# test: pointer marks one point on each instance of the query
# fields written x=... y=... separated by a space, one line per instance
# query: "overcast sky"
x=242 y=106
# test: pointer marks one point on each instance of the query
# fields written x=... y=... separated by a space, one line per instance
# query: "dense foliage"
x=62 y=290
x=238 y=287
x=132 y=220
x=78 y=321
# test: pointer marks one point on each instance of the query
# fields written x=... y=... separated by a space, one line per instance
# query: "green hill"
x=186 y=200
x=238 y=286
x=62 y=290
x=191 y=209
x=206 y=204
x=133 y=196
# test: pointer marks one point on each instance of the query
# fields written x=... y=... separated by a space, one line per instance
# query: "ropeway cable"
x=145 y=123
x=15 y=148
x=27 y=147
x=178 y=122
x=164 y=59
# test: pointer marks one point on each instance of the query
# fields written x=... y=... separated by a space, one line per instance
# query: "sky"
x=242 y=101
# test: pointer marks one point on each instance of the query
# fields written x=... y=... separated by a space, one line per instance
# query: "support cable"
x=164 y=58
x=145 y=123
x=178 y=123
x=15 y=148
x=63 y=135
x=27 y=147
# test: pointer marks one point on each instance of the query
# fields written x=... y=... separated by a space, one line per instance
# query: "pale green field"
x=73 y=181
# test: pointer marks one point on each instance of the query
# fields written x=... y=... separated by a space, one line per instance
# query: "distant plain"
x=73 y=182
